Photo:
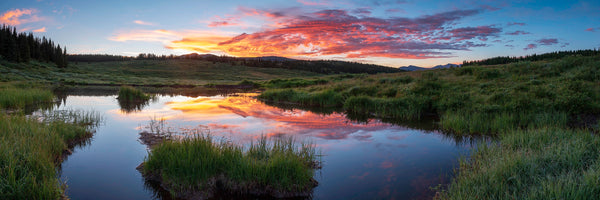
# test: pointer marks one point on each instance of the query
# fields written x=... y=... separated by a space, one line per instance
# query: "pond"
x=366 y=159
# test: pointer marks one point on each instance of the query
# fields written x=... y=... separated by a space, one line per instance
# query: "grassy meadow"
x=545 y=115
x=469 y=100
x=142 y=72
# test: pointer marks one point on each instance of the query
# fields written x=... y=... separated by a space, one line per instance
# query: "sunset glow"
x=392 y=33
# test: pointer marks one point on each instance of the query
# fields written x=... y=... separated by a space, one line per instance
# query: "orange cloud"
x=293 y=33
x=40 y=30
x=338 y=33
x=18 y=16
x=140 y=22
x=147 y=35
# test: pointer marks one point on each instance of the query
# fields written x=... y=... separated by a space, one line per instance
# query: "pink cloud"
x=590 y=29
x=140 y=22
x=19 y=16
x=227 y=21
x=547 y=41
x=530 y=46
x=515 y=24
x=518 y=33
x=337 y=32
x=40 y=30
x=313 y=3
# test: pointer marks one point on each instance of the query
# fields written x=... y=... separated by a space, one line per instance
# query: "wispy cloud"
x=140 y=22
x=530 y=46
x=19 y=16
x=313 y=3
x=349 y=34
x=546 y=42
x=518 y=33
x=160 y=35
x=336 y=32
x=40 y=30
x=592 y=29
x=224 y=21
x=515 y=24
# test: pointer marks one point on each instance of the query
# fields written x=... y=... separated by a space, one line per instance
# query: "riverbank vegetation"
x=544 y=163
x=544 y=113
x=469 y=100
x=31 y=147
x=199 y=166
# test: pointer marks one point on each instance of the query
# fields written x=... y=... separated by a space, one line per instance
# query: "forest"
x=534 y=57
x=22 y=47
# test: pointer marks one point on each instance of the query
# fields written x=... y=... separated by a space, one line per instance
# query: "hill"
x=143 y=72
x=316 y=66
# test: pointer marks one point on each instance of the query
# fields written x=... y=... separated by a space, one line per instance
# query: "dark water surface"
x=362 y=160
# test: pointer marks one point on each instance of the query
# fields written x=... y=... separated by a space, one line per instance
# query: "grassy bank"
x=142 y=72
x=545 y=114
x=202 y=165
x=31 y=148
x=14 y=97
x=469 y=100
x=546 y=163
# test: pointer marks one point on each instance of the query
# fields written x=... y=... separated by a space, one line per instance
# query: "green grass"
x=14 y=98
x=30 y=149
x=131 y=94
x=469 y=100
x=194 y=164
x=545 y=163
x=532 y=107
x=143 y=72
x=132 y=99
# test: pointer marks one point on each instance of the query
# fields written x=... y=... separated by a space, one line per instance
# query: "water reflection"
x=363 y=158
x=129 y=106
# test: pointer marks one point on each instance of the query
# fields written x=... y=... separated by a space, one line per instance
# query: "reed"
x=544 y=163
x=197 y=163
x=31 y=148
x=11 y=97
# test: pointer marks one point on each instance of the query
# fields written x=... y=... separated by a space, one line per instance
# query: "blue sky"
x=388 y=32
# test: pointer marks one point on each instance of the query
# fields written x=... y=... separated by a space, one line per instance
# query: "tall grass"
x=30 y=149
x=132 y=99
x=197 y=163
x=469 y=100
x=131 y=94
x=545 y=163
x=11 y=97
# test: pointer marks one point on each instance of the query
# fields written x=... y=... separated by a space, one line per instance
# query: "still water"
x=370 y=159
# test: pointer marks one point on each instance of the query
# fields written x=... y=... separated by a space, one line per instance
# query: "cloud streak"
x=40 y=30
x=19 y=16
x=333 y=32
x=337 y=32
x=140 y=22
x=545 y=42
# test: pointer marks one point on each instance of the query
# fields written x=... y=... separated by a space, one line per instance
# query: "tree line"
x=534 y=57
x=318 y=66
x=23 y=47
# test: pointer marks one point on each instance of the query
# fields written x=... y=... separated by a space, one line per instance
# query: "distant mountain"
x=449 y=65
x=269 y=58
x=413 y=68
x=417 y=68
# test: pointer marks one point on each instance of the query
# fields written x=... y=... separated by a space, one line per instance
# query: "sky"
x=386 y=32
